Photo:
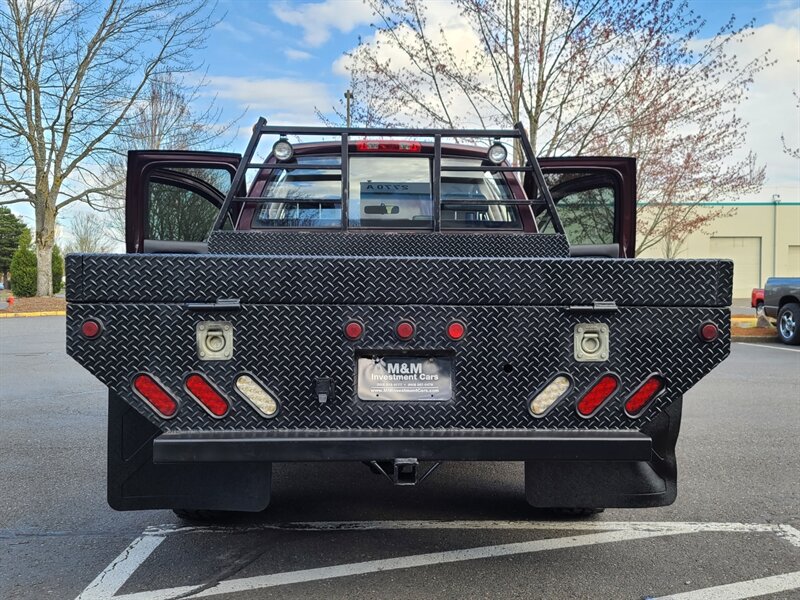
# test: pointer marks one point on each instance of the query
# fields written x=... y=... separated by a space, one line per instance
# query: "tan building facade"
x=762 y=239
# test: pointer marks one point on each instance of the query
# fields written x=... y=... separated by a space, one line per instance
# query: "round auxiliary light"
x=405 y=330
x=708 y=332
x=497 y=152
x=91 y=329
x=282 y=149
x=456 y=330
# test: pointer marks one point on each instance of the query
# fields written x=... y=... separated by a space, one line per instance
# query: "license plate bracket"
x=404 y=378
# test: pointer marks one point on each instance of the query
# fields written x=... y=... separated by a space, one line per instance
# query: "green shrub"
x=23 y=267
x=58 y=269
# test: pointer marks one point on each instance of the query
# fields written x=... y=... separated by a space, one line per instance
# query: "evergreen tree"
x=23 y=267
x=11 y=227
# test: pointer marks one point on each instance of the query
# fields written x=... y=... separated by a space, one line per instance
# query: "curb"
x=41 y=313
x=755 y=339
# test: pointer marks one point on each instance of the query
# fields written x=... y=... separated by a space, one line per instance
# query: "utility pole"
x=348 y=95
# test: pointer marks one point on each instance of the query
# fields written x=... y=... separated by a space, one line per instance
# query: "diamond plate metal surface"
x=397 y=280
x=508 y=353
x=398 y=243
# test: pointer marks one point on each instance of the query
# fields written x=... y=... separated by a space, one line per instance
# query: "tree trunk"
x=45 y=239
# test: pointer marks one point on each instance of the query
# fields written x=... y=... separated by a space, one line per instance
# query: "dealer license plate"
x=405 y=378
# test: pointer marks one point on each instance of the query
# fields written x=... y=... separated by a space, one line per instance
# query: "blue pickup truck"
x=782 y=303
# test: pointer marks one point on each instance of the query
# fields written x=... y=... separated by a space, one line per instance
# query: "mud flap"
x=611 y=484
x=136 y=483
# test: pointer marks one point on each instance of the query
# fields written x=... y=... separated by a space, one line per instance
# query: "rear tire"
x=789 y=324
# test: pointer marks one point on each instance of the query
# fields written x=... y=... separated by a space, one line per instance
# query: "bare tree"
x=87 y=232
x=793 y=152
x=631 y=77
x=72 y=73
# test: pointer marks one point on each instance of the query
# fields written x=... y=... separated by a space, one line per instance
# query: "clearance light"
x=91 y=329
x=256 y=395
x=156 y=397
x=353 y=330
x=405 y=330
x=601 y=391
x=552 y=393
x=388 y=146
x=282 y=149
x=639 y=400
x=456 y=330
x=207 y=395
x=708 y=332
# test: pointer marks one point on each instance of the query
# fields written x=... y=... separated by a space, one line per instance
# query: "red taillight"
x=597 y=395
x=456 y=330
x=388 y=146
x=207 y=395
x=353 y=330
x=155 y=395
x=642 y=397
x=708 y=332
x=91 y=329
x=405 y=330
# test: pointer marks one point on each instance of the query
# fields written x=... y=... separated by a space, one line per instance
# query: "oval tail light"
x=554 y=391
x=256 y=395
x=598 y=394
x=212 y=401
x=149 y=389
x=644 y=395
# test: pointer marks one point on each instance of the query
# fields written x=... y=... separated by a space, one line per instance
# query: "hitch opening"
x=401 y=471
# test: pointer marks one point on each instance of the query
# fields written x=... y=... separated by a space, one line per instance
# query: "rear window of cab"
x=385 y=192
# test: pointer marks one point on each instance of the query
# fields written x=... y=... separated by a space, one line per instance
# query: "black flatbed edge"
x=429 y=444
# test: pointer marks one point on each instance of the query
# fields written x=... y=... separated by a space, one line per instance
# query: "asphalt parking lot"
x=341 y=532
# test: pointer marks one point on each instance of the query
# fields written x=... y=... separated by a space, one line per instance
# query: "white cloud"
x=293 y=54
x=319 y=18
x=280 y=100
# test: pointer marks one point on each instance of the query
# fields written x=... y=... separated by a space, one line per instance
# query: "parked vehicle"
x=396 y=302
x=757 y=299
x=782 y=304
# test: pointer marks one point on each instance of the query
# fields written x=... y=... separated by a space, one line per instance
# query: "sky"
x=283 y=60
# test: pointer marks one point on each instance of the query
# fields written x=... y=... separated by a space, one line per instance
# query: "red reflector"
x=155 y=395
x=91 y=329
x=206 y=395
x=405 y=330
x=388 y=146
x=597 y=395
x=353 y=330
x=642 y=397
x=708 y=332
x=456 y=330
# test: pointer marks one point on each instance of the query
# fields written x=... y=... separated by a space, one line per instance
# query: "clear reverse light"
x=552 y=393
x=256 y=395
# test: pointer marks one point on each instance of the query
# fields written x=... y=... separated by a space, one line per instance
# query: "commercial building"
x=762 y=239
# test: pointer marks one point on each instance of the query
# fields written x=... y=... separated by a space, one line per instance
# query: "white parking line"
x=743 y=589
x=768 y=346
x=121 y=568
x=114 y=576
x=403 y=562
x=787 y=532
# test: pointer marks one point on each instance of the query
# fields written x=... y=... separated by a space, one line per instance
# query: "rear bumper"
x=363 y=445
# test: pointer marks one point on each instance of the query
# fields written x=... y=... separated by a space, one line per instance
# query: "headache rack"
x=533 y=181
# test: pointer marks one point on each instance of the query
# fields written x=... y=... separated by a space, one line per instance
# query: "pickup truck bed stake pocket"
x=391 y=302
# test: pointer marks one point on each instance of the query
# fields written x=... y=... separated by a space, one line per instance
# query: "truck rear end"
x=396 y=347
